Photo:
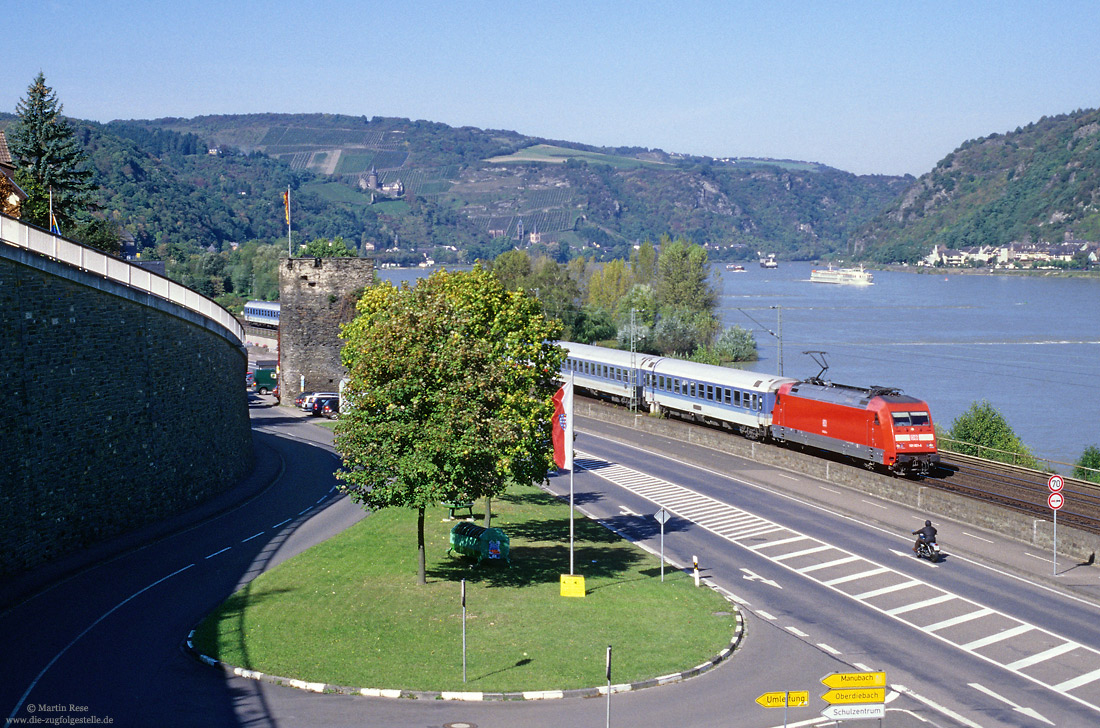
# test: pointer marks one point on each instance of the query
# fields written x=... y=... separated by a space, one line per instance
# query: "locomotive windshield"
x=907 y=419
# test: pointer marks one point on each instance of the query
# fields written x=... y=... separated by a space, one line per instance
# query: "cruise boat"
x=847 y=276
x=735 y=267
x=769 y=262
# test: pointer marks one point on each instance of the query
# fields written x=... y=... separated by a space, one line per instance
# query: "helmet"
x=928 y=523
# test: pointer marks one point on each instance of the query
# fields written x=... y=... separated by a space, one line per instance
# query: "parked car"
x=318 y=406
x=307 y=401
x=331 y=408
x=302 y=398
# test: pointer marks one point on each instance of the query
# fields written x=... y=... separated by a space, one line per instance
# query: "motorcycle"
x=929 y=550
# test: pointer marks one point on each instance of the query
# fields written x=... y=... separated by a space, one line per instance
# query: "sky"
x=870 y=87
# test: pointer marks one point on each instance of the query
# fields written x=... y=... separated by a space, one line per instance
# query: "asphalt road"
x=106 y=642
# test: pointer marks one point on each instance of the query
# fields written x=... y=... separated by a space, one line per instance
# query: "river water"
x=1030 y=346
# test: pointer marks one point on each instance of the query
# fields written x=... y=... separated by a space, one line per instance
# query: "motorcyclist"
x=924 y=535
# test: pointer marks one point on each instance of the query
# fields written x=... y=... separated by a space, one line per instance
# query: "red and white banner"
x=562 y=430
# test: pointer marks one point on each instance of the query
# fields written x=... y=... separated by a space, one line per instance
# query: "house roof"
x=5 y=153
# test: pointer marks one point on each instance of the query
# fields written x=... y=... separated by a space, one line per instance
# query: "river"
x=1029 y=345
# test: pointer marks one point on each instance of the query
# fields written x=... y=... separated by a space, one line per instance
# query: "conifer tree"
x=49 y=157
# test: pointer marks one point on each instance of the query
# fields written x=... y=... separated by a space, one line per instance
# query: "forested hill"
x=1032 y=185
x=484 y=191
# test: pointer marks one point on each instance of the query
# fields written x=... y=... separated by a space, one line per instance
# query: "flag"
x=286 y=204
x=54 y=227
x=562 y=431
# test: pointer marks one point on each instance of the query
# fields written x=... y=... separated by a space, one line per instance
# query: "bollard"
x=695 y=561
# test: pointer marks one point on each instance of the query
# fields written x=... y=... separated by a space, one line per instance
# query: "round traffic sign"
x=1055 y=500
x=1055 y=483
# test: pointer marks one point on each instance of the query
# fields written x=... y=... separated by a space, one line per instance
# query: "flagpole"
x=572 y=467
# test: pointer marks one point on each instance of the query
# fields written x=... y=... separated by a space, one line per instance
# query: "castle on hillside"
x=369 y=183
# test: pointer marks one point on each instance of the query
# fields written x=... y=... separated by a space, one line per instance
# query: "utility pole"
x=633 y=366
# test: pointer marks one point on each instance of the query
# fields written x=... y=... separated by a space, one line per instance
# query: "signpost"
x=854 y=695
x=662 y=517
x=1056 y=500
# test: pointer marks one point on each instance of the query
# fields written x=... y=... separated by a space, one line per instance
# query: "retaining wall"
x=118 y=409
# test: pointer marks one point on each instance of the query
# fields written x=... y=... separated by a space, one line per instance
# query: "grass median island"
x=349 y=611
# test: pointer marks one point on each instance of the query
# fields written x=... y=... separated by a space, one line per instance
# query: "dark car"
x=319 y=404
x=331 y=408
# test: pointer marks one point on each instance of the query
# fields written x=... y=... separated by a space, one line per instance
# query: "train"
x=876 y=426
x=262 y=313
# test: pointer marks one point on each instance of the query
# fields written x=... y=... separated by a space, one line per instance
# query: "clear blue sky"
x=869 y=87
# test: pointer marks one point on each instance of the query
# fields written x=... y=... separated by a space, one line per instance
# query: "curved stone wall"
x=118 y=408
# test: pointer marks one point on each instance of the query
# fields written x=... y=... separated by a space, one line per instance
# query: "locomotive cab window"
x=901 y=419
x=920 y=418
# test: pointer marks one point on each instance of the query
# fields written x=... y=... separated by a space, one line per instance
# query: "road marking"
x=788 y=477
x=1078 y=681
x=860 y=666
x=23 y=700
x=1038 y=557
x=321 y=499
x=888 y=589
x=797 y=632
x=804 y=552
x=765 y=615
x=827 y=564
x=831 y=490
x=872 y=503
x=994 y=638
x=936 y=706
x=281 y=523
x=219 y=552
x=1030 y=712
x=756 y=577
x=680 y=499
x=828 y=649
x=261 y=533
x=977 y=537
x=301 y=513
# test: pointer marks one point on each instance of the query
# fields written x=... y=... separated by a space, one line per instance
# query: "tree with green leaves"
x=1088 y=465
x=449 y=393
x=49 y=159
x=324 y=248
x=984 y=432
x=684 y=276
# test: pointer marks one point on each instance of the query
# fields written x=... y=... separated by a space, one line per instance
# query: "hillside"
x=575 y=198
x=1035 y=184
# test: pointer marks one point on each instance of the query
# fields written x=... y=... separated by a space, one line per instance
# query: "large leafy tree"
x=1088 y=465
x=449 y=393
x=684 y=277
x=324 y=248
x=983 y=431
x=50 y=158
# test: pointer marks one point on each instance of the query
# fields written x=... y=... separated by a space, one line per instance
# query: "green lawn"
x=349 y=612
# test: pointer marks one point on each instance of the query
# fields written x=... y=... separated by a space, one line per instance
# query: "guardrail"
x=20 y=234
x=1011 y=458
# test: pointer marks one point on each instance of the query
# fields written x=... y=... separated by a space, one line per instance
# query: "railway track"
x=1021 y=489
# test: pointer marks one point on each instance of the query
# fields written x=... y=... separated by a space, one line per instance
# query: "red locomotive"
x=878 y=425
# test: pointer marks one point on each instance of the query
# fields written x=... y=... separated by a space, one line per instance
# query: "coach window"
x=676 y=386
x=710 y=391
x=691 y=389
x=727 y=391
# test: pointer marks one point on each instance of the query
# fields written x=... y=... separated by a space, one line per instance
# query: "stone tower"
x=316 y=295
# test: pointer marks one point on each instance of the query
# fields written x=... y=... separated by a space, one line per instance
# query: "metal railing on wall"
x=20 y=234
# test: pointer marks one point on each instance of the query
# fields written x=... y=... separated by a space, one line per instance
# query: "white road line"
x=872 y=503
x=920 y=605
x=827 y=564
x=831 y=490
x=1043 y=656
x=261 y=533
x=995 y=638
x=961 y=619
x=856 y=577
x=1030 y=712
x=780 y=542
x=788 y=477
x=1078 y=681
x=305 y=511
x=23 y=700
x=804 y=552
x=1038 y=557
x=936 y=706
x=219 y=552
x=321 y=498
x=765 y=615
x=829 y=649
x=797 y=632
x=888 y=589
x=861 y=666
x=281 y=523
x=977 y=537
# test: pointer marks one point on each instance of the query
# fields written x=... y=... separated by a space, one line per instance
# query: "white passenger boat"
x=847 y=276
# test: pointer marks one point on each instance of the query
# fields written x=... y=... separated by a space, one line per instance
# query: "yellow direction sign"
x=855 y=695
x=855 y=680
x=780 y=699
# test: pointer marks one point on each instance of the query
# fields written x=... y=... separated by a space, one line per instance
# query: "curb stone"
x=593 y=692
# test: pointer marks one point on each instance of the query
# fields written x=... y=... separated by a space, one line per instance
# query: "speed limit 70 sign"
x=1055 y=483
